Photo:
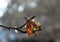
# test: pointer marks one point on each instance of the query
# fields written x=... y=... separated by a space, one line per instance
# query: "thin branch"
x=9 y=28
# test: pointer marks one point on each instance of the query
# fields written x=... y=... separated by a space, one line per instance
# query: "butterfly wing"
x=29 y=29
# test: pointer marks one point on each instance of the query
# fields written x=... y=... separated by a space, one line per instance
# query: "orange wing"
x=29 y=29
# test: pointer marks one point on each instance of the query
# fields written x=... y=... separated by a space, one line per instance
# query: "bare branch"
x=18 y=27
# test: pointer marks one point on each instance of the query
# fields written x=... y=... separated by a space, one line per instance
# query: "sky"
x=3 y=6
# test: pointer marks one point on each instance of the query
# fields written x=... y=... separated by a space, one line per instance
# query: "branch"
x=9 y=28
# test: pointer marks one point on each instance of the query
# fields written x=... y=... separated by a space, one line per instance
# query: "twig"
x=18 y=27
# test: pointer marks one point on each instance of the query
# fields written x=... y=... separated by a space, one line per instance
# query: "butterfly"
x=32 y=26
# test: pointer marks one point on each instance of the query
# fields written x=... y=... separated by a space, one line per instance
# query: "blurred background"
x=47 y=12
